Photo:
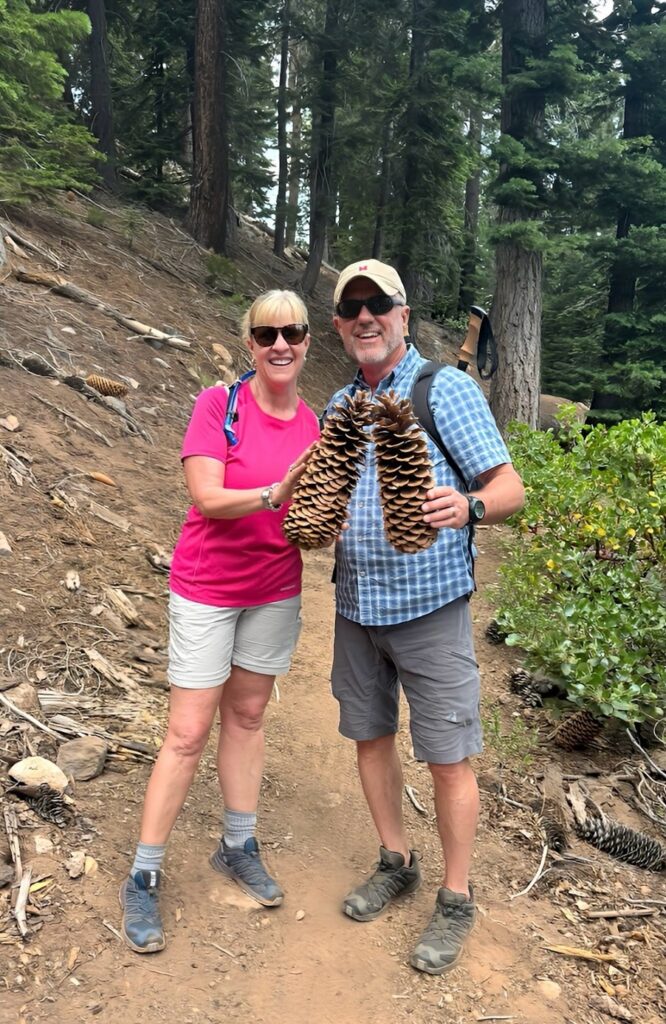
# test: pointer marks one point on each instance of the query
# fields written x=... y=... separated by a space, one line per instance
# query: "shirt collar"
x=399 y=373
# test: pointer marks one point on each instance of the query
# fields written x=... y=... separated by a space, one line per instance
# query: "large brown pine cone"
x=405 y=474
x=578 y=730
x=319 y=504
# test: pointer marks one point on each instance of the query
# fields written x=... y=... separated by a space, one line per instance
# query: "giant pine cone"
x=319 y=504
x=623 y=842
x=578 y=730
x=405 y=474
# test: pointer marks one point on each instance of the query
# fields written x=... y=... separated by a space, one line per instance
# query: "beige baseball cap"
x=386 y=277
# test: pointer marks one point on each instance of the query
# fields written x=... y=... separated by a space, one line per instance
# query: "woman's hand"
x=446 y=507
x=283 y=491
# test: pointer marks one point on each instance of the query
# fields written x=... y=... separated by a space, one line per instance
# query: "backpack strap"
x=421 y=404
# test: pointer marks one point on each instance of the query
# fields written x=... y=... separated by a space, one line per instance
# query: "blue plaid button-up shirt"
x=377 y=585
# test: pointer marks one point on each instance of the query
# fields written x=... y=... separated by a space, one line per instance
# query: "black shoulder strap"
x=421 y=405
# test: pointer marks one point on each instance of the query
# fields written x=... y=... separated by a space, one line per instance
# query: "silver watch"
x=267 y=501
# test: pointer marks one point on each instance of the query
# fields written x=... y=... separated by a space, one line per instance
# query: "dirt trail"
x=227 y=958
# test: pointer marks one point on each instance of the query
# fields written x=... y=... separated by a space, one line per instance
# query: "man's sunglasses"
x=293 y=334
x=378 y=305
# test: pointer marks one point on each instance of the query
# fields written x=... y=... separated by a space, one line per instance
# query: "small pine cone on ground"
x=578 y=730
x=106 y=386
x=553 y=825
x=494 y=633
x=319 y=504
x=623 y=843
x=405 y=474
x=47 y=803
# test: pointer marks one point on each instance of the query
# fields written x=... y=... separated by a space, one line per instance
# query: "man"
x=404 y=619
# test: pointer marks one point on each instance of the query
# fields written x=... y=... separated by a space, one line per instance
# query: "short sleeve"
x=466 y=424
x=205 y=431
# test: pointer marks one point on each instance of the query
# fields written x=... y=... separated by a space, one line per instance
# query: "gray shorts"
x=433 y=658
x=205 y=641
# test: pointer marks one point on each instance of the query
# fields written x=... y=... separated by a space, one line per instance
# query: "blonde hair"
x=267 y=306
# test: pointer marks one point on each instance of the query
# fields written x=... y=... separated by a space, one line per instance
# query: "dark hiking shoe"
x=441 y=945
x=244 y=865
x=142 y=925
x=392 y=877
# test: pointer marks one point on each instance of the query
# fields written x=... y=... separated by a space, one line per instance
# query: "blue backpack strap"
x=231 y=416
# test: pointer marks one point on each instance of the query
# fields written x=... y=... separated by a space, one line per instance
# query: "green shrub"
x=584 y=590
x=96 y=217
x=222 y=272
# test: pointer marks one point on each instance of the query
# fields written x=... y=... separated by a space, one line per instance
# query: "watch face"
x=477 y=510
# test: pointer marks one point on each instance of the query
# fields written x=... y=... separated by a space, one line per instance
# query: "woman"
x=234 y=609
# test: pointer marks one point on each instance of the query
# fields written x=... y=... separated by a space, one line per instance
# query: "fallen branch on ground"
x=61 y=286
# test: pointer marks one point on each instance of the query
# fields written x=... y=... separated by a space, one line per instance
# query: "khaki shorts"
x=205 y=641
x=432 y=657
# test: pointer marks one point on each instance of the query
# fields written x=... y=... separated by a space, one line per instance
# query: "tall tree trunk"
x=408 y=245
x=100 y=92
x=295 y=162
x=283 y=163
x=322 y=188
x=514 y=392
x=468 y=258
x=623 y=275
x=384 y=189
x=210 y=201
x=158 y=107
x=186 y=145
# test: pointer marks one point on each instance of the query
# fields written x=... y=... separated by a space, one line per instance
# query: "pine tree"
x=41 y=147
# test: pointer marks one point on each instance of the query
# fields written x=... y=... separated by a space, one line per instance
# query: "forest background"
x=507 y=154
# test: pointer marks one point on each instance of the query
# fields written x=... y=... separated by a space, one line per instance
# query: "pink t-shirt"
x=232 y=563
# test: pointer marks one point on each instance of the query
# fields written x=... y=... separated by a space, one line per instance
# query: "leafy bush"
x=584 y=591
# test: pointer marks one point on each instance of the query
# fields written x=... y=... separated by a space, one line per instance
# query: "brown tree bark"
x=468 y=258
x=322 y=188
x=283 y=162
x=384 y=190
x=295 y=162
x=514 y=392
x=210 y=199
x=100 y=93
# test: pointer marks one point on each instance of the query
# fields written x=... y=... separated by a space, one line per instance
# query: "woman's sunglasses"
x=378 y=305
x=293 y=334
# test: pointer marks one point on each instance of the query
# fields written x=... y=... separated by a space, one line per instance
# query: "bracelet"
x=267 y=501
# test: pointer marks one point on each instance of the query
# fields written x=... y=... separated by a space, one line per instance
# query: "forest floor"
x=226 y=957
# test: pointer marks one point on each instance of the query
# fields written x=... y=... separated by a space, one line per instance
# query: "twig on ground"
x=612 y=914
x=411 y=793
x=644 y=753
x=536 y=878
x=11 y=825
x=33 y=721
x=75 y=419
x=21 y=902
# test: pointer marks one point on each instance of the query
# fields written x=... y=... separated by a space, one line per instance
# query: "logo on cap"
x=363 y=266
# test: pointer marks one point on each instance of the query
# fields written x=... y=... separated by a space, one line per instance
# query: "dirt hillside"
x=91 y=501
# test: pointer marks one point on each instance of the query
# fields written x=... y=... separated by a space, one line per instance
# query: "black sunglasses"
x=378 y=305
x=293 y=334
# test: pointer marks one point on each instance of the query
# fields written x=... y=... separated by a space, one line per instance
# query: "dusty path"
x=226 y=958
x=304 y=962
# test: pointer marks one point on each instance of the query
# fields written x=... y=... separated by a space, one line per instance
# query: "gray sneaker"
x=392 y=877
x=244 y=865
x=142 y=925
x=440 y=947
